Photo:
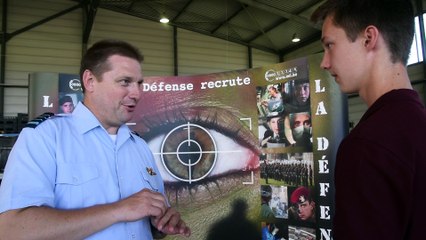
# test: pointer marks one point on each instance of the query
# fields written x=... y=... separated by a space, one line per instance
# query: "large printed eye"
x=189 y=152
x=203 y=144
x=202 y=153
x=194 y=151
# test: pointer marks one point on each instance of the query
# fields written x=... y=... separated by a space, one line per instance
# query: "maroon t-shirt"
x=380 y=173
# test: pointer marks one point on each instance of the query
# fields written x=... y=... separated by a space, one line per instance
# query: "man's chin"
x=126 y=117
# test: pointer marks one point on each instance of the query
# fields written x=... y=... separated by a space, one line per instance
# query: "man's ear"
x=88 y=80
x=370 y=36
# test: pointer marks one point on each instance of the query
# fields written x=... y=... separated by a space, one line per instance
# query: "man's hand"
x=171 y=223
x=145 y=203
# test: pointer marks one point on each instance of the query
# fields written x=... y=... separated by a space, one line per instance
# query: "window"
x=416 y=54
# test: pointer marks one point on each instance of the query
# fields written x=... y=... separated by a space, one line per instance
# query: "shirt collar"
x=397 y=95
x=85 y=121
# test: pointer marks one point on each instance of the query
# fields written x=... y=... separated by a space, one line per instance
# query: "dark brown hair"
x=95 y=59
x=393 y=18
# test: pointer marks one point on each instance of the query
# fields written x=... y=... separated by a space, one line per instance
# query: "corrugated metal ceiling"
x=267 y=25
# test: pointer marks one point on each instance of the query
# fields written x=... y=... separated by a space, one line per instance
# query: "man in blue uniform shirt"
x=86 y=175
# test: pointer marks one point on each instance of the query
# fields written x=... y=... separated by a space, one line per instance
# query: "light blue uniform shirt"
x=70 y=162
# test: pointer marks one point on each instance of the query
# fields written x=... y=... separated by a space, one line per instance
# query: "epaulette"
x=36 y=121
x=135 y=133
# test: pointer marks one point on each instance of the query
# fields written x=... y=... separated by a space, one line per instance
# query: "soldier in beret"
x=303 y=208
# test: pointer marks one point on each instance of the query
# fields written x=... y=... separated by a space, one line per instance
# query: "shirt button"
x=75 y=179
x=133 y=236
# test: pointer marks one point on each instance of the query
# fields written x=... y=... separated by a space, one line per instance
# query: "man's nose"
x=135 y=91
x=325 y=62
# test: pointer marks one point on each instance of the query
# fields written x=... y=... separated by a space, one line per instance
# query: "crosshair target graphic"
x=188 y=152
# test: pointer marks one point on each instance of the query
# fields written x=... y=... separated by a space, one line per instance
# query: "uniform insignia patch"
x=150 y=171
x=36 y=121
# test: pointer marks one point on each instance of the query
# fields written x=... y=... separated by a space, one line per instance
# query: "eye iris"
x=188 y=152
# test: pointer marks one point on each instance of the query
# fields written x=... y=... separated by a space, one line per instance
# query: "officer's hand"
x=171 y=223
x=145 y=203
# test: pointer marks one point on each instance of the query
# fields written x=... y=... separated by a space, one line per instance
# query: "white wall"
x=155 y=40
x=261 y=58
x=198 y=54
x=52 y=47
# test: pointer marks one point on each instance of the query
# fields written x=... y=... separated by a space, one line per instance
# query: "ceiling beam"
x=89 y=12
x=45 y=20
x=281 y=13
x=228 y=19
x=260 y=27
x=183 y=9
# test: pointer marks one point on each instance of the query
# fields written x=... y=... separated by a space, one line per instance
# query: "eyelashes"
x=222 y=120
x=184 y=139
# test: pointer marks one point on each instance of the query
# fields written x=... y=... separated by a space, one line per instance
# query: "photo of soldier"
x=298 y=96
x=274 y=136
x=298 y=129
x=302 y=207
x=69 y=92
x=266 y=212
x=289 y=169
x=66 y=104
x=272 y=99
x=269 y=100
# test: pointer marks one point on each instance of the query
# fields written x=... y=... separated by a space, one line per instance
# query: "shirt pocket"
x=77 y=185
x=150 y=180
x=76 y=173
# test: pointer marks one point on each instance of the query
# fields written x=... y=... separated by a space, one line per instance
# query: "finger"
x=171 y=223
x=170 y=219
x=149 y=203
x=177 y=226
x=156 y=201
x=183 y=229
x=153 y=194
x=155 y=210
x=186 y=232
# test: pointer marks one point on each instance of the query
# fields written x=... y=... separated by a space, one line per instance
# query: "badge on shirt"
x=151 y=171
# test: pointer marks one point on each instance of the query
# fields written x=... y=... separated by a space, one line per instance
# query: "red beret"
x=300 y=195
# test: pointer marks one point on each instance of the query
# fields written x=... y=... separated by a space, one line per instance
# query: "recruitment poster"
x=247 y=154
